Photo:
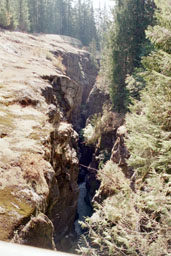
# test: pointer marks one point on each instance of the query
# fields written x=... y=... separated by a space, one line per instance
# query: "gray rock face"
x=37 y=232
x=96 y=99
x=39 y=98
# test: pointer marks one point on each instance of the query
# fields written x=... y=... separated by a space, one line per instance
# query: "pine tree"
x=102 y=25
x=23 y=15
x=135 y=220
x=4 y=22
x=33 y=13
x=85 y=22
x=127 y=37
x=149 y=131
x=62 y=17
x=150 y=121
x=42 y=17
x=39 y=15
x=8 y=18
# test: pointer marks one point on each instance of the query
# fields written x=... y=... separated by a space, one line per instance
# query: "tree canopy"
x=134 y=217
x=65 y=17
x=126 y=43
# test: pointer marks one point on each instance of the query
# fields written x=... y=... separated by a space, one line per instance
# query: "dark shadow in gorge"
x=84 y=209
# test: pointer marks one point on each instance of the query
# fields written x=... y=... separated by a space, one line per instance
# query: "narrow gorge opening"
x=84 y=208
x=84 y=205
x=69 y=94
x=67 y=131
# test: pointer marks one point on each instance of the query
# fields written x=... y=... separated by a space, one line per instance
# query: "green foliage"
x=4 y=22
x=138 y=222
x=103 y=157
x=129 y=223
x=93 y=130
x=64 y=17
x=7 y=14
x=149 y=125
x=85 y=21
x=127 y=39
x=23 y=15
x=93 y=51
x=135 y=83
x=99 y=124
x=103 y=23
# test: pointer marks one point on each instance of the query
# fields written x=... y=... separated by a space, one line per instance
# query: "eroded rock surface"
x=98 y=96
x=37 y=232
x=120 y=152
x=38 y=147
x=110 y=145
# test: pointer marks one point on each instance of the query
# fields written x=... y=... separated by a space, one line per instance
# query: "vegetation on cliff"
x=132 y=216
x=132 y=209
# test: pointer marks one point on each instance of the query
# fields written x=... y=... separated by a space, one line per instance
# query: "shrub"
x=129 y=223
x=101 y=123
x=138 y=222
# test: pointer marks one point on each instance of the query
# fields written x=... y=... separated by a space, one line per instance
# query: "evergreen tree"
x=42 y=16
x=50 y=16
x=8 y=18
x=23 y=15
x=38 y=15
x=68 y=24
x=33 y=12
x=149 y=124
x=4 y=21
x=131 y=18
x=134 y=219
x=103 y=22
x=86 y=29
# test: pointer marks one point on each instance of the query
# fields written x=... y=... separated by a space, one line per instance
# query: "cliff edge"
x=43 y=81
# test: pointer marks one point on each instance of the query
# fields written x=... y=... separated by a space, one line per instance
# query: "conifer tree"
x=42 y=16
x=33 y=13
x=64 y=17
x=134 y=219
x=126 y=39
x=150 y=122
x=8 y=18
x=102 y=25
x=85 y=22
x=23 y=15
x=4 y=22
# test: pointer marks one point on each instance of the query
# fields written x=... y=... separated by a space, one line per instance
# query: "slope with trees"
x=126 y=43
x=132 y=216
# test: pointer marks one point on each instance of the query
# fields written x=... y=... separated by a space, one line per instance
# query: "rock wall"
x=110 y=145
x=98 y=96
x=40 y=96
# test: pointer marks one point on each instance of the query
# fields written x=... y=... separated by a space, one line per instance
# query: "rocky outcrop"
x=120 y=153
x=79 y=68
x=118 y=159
x=110 y=145
x=98 y=96
x=39 y=99
x=37 y=232
x=62 y=209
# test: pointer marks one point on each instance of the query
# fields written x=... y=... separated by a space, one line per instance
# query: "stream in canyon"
x=83 y=209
